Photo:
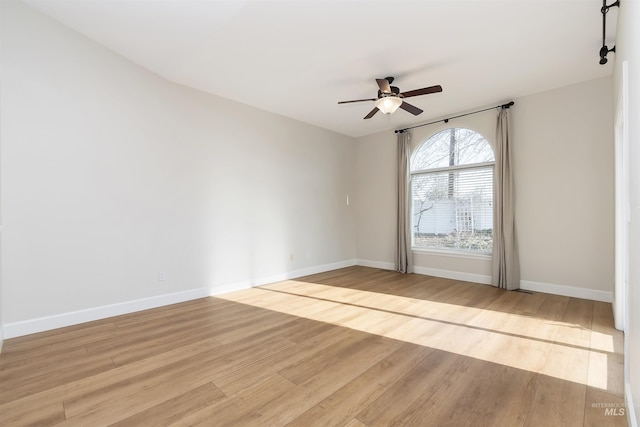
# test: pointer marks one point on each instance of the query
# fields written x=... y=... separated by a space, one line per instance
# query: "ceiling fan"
x=390 y=99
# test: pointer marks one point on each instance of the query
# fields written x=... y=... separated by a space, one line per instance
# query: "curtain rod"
x=507 y=105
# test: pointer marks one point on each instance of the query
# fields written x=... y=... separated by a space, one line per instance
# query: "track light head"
x=604 y=50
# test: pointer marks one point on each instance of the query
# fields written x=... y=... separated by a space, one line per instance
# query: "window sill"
x=451 y=254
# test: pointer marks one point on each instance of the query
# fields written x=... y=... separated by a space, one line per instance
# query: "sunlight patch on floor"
x=562 y=350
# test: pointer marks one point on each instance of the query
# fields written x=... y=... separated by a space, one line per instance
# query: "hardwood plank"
x=37 y=415
x=167 y=312
x=506 y=401
x=603 y=372
x=530 y=303
x=13 y=388
x=485 y=297
x=344 y=404
x=176 y=327
x=58 y=340
x=143 y=348
x=411 y=390
x=222 y=414
x=557 y=403
x=27 y=364
x=198 y=368
x=21 y=407
x=449 y=292
x=566 y=362
x=604 y=335
x=318 y=362
x=553 y=308
x=576 y=323
x=606 y=359
x=579 y=312
x=176 y=408
x=308 y=331
x=315 y=389
x=506 y=301
x=240 y=406
x=453 y=404
x=235 y=382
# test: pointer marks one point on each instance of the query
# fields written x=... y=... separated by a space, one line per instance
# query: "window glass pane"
x=452 y=147
x=434 y=153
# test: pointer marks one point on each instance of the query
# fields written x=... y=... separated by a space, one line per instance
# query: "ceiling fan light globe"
x=388 y=104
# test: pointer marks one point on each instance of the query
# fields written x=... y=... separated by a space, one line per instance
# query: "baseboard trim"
x=294 y=274
x=454 y=275
x=1 y=336
x=631 y=409
x=41 y=324
x=376 y=264
x=567 y=291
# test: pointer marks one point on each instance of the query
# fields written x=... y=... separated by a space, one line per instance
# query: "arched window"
x=452 y=192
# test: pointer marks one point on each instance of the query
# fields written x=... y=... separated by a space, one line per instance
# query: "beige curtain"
x=404 y=256
x=506 y=267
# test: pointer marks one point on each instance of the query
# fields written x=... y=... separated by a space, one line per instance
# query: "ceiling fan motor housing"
x=394 y=92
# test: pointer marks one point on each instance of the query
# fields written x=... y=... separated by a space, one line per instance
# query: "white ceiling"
x=299 y=58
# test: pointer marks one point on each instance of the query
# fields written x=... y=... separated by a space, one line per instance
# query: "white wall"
x=628 y=49
x=564 y=173
x=376 y=190
x=111 y=174
x=563 y=155
x=1 y=323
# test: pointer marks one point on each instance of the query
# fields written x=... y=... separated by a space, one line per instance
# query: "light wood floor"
x=351 y=347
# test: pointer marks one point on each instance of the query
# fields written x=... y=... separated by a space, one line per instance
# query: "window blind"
x=453 y=210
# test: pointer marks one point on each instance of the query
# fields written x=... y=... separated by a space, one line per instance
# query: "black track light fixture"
x=604 y=50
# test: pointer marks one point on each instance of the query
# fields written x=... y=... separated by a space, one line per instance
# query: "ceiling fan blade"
x=383 y=84
x=372 y=113
x=410 y=108
x=356 y=100
x=423 y=91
